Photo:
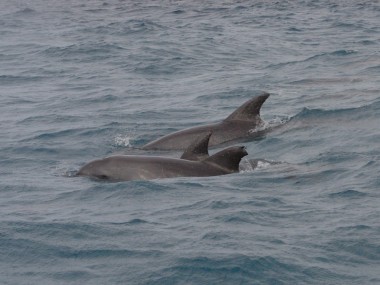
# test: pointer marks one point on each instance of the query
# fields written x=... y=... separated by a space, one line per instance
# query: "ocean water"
x=81 y=80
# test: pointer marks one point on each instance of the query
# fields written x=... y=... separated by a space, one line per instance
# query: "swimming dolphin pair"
x=243 y=123
x=195 y=162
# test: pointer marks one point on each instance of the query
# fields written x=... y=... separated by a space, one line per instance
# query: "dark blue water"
x=83 y=80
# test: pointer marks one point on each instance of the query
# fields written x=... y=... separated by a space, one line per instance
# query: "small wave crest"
x=25 y=11
x=348 y=194
x=346 y=113
x=333 y=54
x=238 y=269
x=124 y=28
x=18 y=79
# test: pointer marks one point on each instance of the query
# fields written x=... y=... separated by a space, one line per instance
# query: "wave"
x=85 y=132
x=374 y=68
x=19 y=79
x=365 y=249
x=30 y=249
x=337 y=53
x=23 y=12
x=324 y=81
x=131 y=222
x=348 y=194
x=318 y=57
x=133 y=26
x=354 y=229
x=88 y=52
x=348 y=113
x=243 y=269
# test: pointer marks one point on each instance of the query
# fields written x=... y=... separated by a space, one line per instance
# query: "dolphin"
x=242 y=123
x=198 y=151
x=138 y=167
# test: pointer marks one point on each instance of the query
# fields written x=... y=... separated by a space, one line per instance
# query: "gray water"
x=83 y=80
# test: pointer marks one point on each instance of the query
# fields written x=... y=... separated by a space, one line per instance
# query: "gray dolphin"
x=198 y=151
x=242 y=123
x=135 y=167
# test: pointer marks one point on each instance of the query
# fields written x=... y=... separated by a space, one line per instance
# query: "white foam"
x=122 y=140
x=279 y=120
x=263 y=164
x=261 y=127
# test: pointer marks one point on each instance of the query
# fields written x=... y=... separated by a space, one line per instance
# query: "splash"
x=279 y=121
x=269 y=125
x=263 y=164
x=250 y=165
x=122 y=140
x=246 y=166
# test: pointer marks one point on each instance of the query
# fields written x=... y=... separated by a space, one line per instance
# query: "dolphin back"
x=250 y=110
x=198 y=149
x=227 y=159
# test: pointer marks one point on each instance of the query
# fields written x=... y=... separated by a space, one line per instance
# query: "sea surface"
x=81 y=80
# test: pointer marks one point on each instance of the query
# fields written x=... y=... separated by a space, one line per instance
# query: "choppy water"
x=82 y=80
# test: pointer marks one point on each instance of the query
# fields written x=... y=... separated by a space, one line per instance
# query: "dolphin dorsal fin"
x=198 y=150
x=228 y=159
x=250 y=110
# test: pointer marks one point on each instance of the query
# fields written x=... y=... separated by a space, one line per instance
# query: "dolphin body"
x=242 y=123
x=198 y=151
x=135 y=167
